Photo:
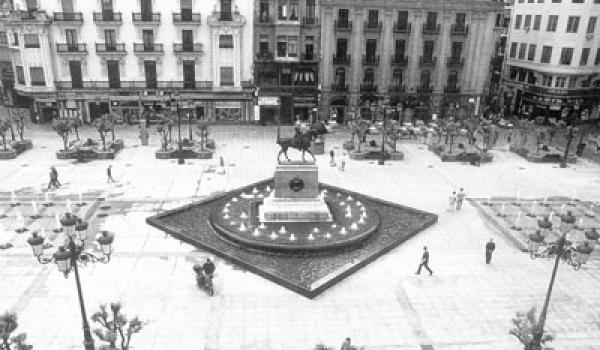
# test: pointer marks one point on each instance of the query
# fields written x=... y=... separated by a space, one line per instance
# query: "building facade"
x=286 y=63
x=553 y=61
x=429 y=57
x=124 y=57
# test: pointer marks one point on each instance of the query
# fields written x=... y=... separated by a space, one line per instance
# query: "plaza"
x=466 y=304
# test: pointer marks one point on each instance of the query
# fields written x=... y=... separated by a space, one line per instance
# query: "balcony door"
x=456 y=50
x=225 y=10
x=150 y=70
x=71 y=37
x=110 y=39
x=342 y=46
x=186 y=10
x=114 y=76
x=75 y=70
x=425 y=80
x=187 y=38
x=108 y=13
x=452 y=80
x=189 y=74
x=146 y=10
x=67 y=6
x=373 y=19
x=431 y=22
x=371 y=49
x=148 y=39
x=400 y=49
x=343 y=17
x=428 y=51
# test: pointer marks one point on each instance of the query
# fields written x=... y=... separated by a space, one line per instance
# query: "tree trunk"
x=102 y=138
x=112 y=132
x=4 y=141
x=12 y=132
x=6 y=343
x=395 y=144
x=76 y=133
x=21 y=130
x=65 y=141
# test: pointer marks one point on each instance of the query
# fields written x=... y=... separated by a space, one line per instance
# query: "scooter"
x=204 y=282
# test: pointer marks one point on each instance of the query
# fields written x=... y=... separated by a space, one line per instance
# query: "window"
x=400 y=49
x=37 y=76
x=521 y=1
x=428 y=50
x=585 y=53
x=287 y=10
x=578 y=1
x=371 y=49
x=527 y=24
x=397 y=77
x=263 y=11
x=31 y=5
x=343 y=17
x=546 y=54
x=150 y=73
x=225 y=10
x=3 y=38
x=456 y=50
x=110 y=39
x=71 y=37
x=369 y=77
x=114 y=74
x=536 y=22
x=522 y=50
x=560 y=82
x=531 y=52
x=311 y=9
x=226 y=76
x=287 y=46
x=540 y=1
x=530 y=1
x=16 y=39
x=460 y=21
x=556 y=1
x=547 y=80
x=597 y=60
x=309 y=48
x=67 y=6
x=20 y=75
x=552 y=23
x=340 y=77
x=452 y=80
x=293 y=46
x=226 y=41
x=189 y=74
x=513 y=50
x=263 y=44
x=591 y=27
x=566 y=55
x=518 y=20
x=572 y=24
x=342 y=47
x=373 y=18
x=522 y=75
x=402 y=20
x=431 y=23
x=31 y=41
x=281 y=46
x=425 y=79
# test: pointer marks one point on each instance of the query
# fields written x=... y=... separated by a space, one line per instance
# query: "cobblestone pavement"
x=465 y=305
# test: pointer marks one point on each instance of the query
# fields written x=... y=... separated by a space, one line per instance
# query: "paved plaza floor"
x=466 y=304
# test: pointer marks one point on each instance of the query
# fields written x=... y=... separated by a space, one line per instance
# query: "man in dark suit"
x=424 y=262
x=489 y=249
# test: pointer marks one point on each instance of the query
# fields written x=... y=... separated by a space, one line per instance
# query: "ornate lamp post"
x=562 y=252
x=180 y=159
x=66 y=258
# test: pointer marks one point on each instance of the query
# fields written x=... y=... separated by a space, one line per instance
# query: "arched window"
x=397 y=77
x=369 y=77
x=452 y=79
x=340 y=77
x=425 y=79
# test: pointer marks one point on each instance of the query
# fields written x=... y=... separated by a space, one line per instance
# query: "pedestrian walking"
x=347 y=345
x=221 y=169
x=460 y=197
x=109 y=177
x=452 y=202
x=332 y=158
x=489 y=249
x=424 y=262
x=53 y=178
x=343 y=162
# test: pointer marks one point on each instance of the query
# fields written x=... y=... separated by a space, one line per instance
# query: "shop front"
x=268 y=109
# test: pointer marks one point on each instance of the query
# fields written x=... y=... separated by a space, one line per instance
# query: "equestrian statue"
x=300 y=141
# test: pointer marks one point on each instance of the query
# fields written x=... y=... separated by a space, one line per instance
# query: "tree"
x=451 y=129
x=63 y=127
x=202 y=132
x=359 y=127
x=161 y=129
x=115 y=327
x=486 y=130
x=394 y=131
x=169 y=121
x=77 y=123
x=103 y=125
x=18 y=116
x=471 y=125
x=8 y=325
x=4 y=127
x=524 y=327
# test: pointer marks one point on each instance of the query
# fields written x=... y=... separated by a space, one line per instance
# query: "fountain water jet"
x=14 y=200
x=47 y=202
x=58 y=227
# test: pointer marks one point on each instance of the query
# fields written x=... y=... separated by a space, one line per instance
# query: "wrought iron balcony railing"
x=145 y=18
x=370 y=60
x=398 y=60
x=68 y=17
x=368 y=87
x=451 y=89
x=427 y=61
x=108 y=17
x=147 y=47
x=310 y=21
x=187 y=47
x=396 y=88
x=343 y=25
x=339 y=87
x=110 y=48
x=455 y=61
x=341 y=59
x=70 y=48
x=425 y=89
x=372 y=27
x=264 y=56
x=431 y=29
x=187 y=17
x=405 y=28
x=462 y=29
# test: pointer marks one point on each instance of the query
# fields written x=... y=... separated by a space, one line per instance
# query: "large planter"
x=210 y=144
x=87 y=153
x=552 y=155
x=317 y=147
x=14 y=149
x=358 y=155
x=186 y=154
x=116 y=145
x=468 y=153
x=348 y=145
x=396 y=155
x=8 y=154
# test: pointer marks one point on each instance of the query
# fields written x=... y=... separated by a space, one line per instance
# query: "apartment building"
x=286 y=63
x=425 y=56
x=553 y=63
x=127 y=56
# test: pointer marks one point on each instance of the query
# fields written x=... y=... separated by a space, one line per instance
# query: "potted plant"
x=204 y=152
x=8 y=325
x=63 y=128
x=115 y=328
x=18 y=117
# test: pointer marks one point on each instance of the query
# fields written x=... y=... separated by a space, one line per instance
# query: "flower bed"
x=549 y=154
x=466 y=154
x=92 y=152
x=15 y=148
x=187 y=153
x=374 y=153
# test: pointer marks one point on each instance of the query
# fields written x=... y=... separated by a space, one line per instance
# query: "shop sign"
x=555 y=108
x=227 y=104
x=71 y=104
x=268 y=101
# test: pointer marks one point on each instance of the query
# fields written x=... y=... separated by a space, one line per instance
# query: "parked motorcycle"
x=204 y=281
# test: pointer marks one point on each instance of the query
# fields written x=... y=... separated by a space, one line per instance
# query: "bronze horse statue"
x=300 y=141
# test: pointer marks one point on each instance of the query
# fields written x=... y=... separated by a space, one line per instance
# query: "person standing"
x=221 y=169
x=452 y=202
x=424 y=262
x=53 y=178
x=489 y=249
x=460 y=197
x=332 y=158
x=109 y=178
x=343 y=162
x=346 y=345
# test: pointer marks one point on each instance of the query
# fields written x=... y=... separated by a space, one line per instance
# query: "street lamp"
x=563 y=161
x=383 y=132
x=575 y=258
x=66 y=258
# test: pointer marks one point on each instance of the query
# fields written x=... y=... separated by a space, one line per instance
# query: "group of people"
x=456 y=200
x=54 y=177
x=332 y=162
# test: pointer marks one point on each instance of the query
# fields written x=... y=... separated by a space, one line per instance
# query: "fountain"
x=502 y=212
x=80 y=203
x=226 y=216
x=315 y=230
x=262 y=226
x=292 y=237
x=268 y=189
x=354 y=226
x=579 y=225
x=562 y=209
x=551 y=216
x=342 y=203
x=68 y=206
x=545 y=201
x=225 y=210
x=58 y=227
x=47 y=202
x=348 y=214
x=517 y=225
x=361 y=220
x=533 y=208
x=328 y=235
x=256 y=232
x=20 y=223
x=359 y=203
x=243 y=215
x=242 y=227
x=333 y=225
x=311 y=237
x=343 y=231
x=14 y=200
x=36 y=215
x=282 y=230
x=349 y=198
x=273 y=235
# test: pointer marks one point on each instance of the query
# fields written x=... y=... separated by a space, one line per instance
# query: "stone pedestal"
x=295 y=197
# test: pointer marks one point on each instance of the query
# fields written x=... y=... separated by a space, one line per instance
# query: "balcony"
x=341 y=59
x=187 y=47
x=455 y=62
x=451 y=90
x=187 y=18
x=581 y=92
x=148 y=48
x=396 y=88
x=459 y=29
x=311 y=57
x=143 y=18
x=427 y=61
x=425 y=89
x=371 y=60
x=339 y=87
x=398 y=60
x=310 y=21
x=102 y=85
x=431 y=29
x=368 y=87
x=372 y=27
x=405 y=29
x=108 y=18
x=264 y=56
x=226 y=16
x=110 y=49
x=68 y=18
x=264 y=20
x=343 y=26
x=71 y=48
